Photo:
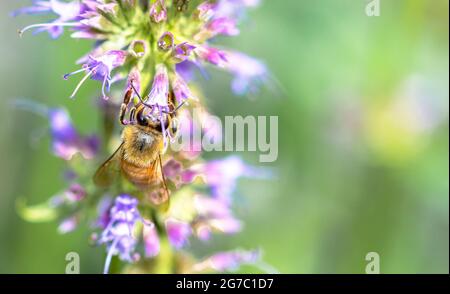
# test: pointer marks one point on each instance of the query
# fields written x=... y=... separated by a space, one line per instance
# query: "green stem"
x=165 y=261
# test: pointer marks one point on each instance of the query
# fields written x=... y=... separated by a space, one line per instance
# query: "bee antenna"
x=136 y=91
x=139 y=96
x=175 y=110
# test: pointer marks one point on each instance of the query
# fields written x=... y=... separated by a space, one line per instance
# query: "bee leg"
x=124 y=105
x=131 y=119
x=162 y=175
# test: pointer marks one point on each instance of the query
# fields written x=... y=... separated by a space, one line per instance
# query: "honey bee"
x=138 y=158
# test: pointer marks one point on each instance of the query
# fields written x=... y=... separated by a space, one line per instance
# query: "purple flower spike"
x=182 y=51
x=178 y=232
x=66 y=11
x=99 y=69
x=158 y=11
x=151 y=240
x=118 y=234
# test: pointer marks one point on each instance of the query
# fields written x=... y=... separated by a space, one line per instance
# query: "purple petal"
x=182 y=51
x=75 y=193
x=158 y=11
x=178 y=232
x=228 y=261
x=68 y=225
x=181 y=89
x=151 y=240
x=160 y=88
x=212 y=55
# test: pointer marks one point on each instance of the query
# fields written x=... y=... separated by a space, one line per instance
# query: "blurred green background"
x=363 y=138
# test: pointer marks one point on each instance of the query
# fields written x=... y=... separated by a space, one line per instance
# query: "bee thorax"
x=144 y=140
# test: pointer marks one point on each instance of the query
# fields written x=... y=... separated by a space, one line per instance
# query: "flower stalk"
x=154 y=48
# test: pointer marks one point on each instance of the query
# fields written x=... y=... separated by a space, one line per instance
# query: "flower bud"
x=138 y=48
x=158 y=11
x=166 y=42
x=182 y=51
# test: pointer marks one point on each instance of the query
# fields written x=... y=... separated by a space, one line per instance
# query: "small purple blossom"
x=158 y=11
x=75 y=193
x=103 y=208
x=66 y=12
x=68 y=225
x=186 y=70
x=205 y=11
x=228 y=261
x=214 y=215
x=181 y=89
x=233 y=8
x=223 y=26
x=249 y=73
x=182 y=51
x=138 y=48
x=134 y=79
x=72 y=195
x=212 y=55
x=66 y=141
x=100 y=68
x=232 y=260
x=160 y=89
x=151 y=240
x=221 y=175
x=178 y=232
x=166 y=41
x=219 y=26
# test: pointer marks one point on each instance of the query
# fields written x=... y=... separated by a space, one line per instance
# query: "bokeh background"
x=363 y=138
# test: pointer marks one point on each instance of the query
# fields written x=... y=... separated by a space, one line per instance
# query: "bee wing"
x=158 y=193
x=109 y=170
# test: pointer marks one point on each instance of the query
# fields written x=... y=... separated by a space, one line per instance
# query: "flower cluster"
x=174 y=38
x=156 y=48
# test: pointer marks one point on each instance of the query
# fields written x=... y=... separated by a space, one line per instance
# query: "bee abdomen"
x=138 y=175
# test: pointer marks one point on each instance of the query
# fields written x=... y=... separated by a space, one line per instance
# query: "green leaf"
x=37 y=213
